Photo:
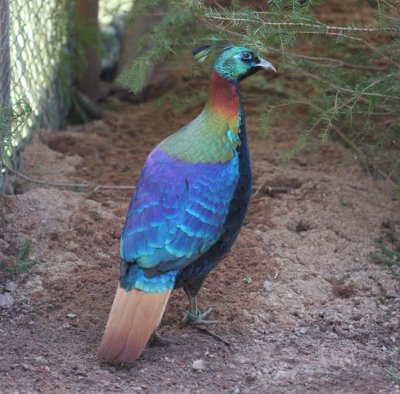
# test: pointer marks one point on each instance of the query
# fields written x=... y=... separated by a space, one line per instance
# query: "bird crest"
x=200 y=54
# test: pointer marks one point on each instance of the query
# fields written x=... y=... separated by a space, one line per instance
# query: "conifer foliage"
x=343 y=70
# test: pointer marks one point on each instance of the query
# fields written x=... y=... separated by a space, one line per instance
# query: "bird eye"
x=246 y=56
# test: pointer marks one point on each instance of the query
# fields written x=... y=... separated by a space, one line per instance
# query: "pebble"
x=241 y=359
x=26 y=367
x=300 y=330
x=6 y=300
x=389 y=324
x=280 y=375
x=10 y=286
x=199 y=365
x=391 y=294
x=247 y=280
x=71 y=316
x=268 y=286
x=40 y=359
x=236 y=391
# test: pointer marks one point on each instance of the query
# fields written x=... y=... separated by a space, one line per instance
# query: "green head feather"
x=234 y=63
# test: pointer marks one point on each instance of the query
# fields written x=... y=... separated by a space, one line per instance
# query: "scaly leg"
x=194 y=316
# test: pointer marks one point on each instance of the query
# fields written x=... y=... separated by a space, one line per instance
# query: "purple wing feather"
x=177 y=211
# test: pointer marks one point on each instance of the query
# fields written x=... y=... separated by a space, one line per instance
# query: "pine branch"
x=323 y=28
x=342 y=89
x=339 y=63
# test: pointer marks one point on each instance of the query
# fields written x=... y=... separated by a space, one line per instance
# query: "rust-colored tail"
x=133 y=318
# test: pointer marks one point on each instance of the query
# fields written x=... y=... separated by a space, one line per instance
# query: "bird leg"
x=194 y=316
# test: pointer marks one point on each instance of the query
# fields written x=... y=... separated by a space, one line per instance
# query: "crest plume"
x=200 y=54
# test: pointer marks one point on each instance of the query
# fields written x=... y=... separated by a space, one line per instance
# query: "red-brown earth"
x=301 y=303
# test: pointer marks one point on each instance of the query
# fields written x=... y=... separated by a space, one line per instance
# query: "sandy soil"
x=303 y=307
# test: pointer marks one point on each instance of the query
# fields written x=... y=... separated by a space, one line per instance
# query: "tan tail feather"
x=134 y=316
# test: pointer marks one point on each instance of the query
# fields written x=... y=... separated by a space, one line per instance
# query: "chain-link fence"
x=37 y=66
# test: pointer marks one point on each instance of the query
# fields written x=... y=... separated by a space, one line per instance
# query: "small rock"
x=300 y=330
x=10 y=286
x=40 y=359
x=247 y=280
x=26 y=367
x=71 y=316
x=66 y=325
x=394 y=322
x=6 y=300
x=236 y=391
x=251 y=377
x=280 y=375
x=241 y=359
x=199 y=365
x=391 y=294
x=268 y=286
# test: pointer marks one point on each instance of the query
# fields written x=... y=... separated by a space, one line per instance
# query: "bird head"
x=234 y=63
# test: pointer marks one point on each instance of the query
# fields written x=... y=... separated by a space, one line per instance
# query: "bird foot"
x=198 y=318
x=158 y=340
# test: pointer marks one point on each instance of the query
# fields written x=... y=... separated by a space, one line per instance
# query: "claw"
x=158 y=340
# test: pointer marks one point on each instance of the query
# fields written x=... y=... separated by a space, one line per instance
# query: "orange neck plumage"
x=223 y=96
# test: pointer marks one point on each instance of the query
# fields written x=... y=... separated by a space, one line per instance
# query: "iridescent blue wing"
x=177 y=211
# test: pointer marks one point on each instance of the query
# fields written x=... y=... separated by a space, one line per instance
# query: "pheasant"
x=186 y=211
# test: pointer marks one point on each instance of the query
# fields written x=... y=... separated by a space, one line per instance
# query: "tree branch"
x=324 y=28
x=339 y=63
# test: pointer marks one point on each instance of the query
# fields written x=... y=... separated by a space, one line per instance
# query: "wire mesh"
x=5 y=80
x=36 y=67
x=33 y=84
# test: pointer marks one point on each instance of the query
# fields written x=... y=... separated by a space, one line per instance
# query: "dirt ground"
x=302 y=306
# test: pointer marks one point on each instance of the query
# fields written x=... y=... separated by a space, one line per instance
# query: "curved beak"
x=265 y=64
